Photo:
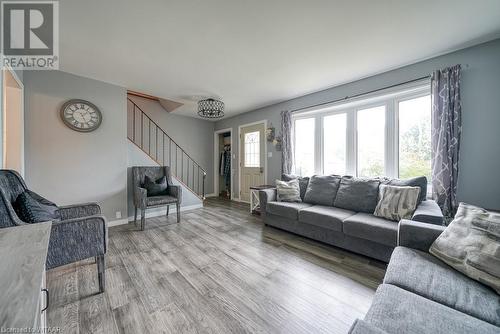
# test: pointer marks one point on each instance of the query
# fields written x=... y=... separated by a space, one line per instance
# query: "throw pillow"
x=30 y=210
x=471 y=245
x=357 y=194
x=420 y=181
x=396 y=203
x=303 y=182
x=322 y=189
x=155 y=188
x=288 y=191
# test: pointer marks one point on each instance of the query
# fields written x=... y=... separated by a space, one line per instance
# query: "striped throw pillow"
x=288 y=191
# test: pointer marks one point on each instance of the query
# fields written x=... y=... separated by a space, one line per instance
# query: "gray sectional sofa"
x=339 y=211
x=421 y=294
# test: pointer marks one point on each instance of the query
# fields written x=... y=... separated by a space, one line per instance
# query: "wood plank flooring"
x=218 y=271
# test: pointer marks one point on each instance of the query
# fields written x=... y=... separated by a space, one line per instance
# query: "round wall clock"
x=81 y=115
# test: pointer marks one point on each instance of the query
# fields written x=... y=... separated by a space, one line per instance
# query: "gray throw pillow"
x=396 y=203
x=288 y=191
x=357 y=194
x=322 y=189
x=155 y=188
x=31 y=209
x=303 y=182
x=420 y=181
x=471 y=245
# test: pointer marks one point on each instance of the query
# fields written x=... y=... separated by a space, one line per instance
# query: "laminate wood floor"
x=218 y=271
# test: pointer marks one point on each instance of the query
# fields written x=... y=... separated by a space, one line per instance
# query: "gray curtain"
x=286 y=142
x=446 y=130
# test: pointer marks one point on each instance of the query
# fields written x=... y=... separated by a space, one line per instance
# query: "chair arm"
x=418 y=235
x=76 y=239
x=79 y=211
x=175 y=191
x=428 y=212
x=265 y=196
x=140 y=197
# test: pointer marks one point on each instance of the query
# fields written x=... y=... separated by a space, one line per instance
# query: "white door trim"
x=21 y=86
x=216 y=160
x=239 y=154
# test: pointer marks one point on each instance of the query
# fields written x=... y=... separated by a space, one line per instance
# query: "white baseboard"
x=154 y=213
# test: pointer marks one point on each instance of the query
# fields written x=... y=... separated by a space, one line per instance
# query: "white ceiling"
x=256 y=53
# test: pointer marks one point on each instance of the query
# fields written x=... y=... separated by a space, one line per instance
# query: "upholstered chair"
x=142 y=201
x=79 y=234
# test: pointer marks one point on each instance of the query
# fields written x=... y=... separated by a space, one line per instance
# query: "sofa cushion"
x=427 y=276
x=324 y=216
x=303 y=182
x=471 y=244
x=367 y=226
x=288 y=191
x=396 y=311
x=160 y=200
x=420 y=181
x=286 y=209
x=357 y=194
x=321 y=190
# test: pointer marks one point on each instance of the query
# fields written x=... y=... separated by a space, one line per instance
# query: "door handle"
x=47 y=299
x=261 y=170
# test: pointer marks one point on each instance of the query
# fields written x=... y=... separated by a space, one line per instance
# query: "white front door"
x=252 y=149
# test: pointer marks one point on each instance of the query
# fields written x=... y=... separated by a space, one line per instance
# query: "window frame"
x=389 y=98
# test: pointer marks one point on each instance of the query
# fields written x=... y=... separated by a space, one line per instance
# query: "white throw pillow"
x=471 y=245
x=396 y=203
x=288 y=191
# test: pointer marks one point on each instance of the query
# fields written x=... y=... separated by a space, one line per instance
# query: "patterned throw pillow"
x=471 y=245
x=155 y=188
x=35 y=209
x=396 y=203
x=288 y=191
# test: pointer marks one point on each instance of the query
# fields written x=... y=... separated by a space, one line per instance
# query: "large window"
x=304 y=146
x=386 y=135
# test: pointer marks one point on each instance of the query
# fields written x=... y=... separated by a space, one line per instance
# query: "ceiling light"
x=211 y=108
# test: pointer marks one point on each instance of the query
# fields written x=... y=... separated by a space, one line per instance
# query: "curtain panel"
x=446 y=131
x=286 y=142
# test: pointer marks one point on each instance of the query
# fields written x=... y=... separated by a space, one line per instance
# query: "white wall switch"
x=269 y=154
x=118 y=214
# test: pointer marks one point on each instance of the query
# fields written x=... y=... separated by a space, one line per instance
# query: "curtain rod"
x=361 y=94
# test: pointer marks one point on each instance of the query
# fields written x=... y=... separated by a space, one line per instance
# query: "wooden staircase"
x=147 y=135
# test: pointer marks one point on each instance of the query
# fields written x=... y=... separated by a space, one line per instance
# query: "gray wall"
x=194 y=135
x=479 y=181
x=66 y=166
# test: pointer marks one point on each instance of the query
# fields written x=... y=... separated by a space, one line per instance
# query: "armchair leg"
x=143 y=219
x=178 y=207
x=135 y=215
x=101 y=267
x=168 y=209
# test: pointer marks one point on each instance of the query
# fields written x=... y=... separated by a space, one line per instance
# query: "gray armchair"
x=80 y=234
x=142 y=201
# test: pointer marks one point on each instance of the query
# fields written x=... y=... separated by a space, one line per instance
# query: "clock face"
x=81 y=115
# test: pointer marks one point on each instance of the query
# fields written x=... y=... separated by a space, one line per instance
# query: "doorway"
x=223 y=169
x=252 y=157
x=12 y=122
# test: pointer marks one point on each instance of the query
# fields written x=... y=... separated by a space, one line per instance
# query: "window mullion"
x=318 y=145
x=351 y=149
x=390 y=140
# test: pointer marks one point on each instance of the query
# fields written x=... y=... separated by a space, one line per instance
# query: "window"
x=252 y=149
x=385 y=135
x=304 y=146
x=334 y=143
x=415 y=137
x=371 y=141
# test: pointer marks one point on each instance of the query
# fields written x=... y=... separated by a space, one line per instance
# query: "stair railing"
x=159 y=146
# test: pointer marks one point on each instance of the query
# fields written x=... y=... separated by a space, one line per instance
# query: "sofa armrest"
x=76 y=239
x=265 y=196
x=363 y=327
x=418 y=235
x=175 y=191
x=428 y=212
x=79 y=211
x=140 y=197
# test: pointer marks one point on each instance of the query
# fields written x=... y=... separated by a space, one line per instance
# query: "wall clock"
x=81 y=115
